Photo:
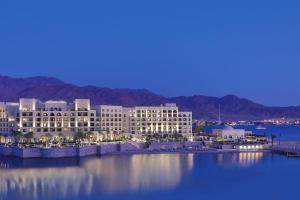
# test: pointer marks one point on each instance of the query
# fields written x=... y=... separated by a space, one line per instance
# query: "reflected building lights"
x=243 y=159
x=105 y=175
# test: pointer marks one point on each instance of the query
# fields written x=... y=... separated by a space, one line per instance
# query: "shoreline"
x=114 y=149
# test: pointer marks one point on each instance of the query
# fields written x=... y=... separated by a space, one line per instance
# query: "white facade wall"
x=54 y=117
x=230 y=134
x=152 y=120
x=57 y=117
x=8 y=113
x=185 y=123
x=111 y=118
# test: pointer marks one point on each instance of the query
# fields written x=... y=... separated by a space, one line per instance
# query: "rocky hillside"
x=203 y=107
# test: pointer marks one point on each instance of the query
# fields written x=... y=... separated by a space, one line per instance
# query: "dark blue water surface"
x=160 y=176
x=284 y=132
x=234 y=176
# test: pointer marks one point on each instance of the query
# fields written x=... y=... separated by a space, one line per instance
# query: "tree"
x=156 y=136
x=29 y=136
x=17 y=136
x=61 y=137
x=46 y=139
x=199 y=129
x=165 y=136
x=80 y=135
x=90 y=135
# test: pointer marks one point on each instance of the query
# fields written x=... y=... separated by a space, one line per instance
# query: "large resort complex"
x=61 y=118
x=31 y=128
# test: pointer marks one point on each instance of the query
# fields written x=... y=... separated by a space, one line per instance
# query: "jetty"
x=290 y=149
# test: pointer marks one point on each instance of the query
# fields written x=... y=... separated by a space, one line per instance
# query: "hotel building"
x=56 y=116
x=164 y=119
x=111 y=118
x=60 y=117
x=8 y=114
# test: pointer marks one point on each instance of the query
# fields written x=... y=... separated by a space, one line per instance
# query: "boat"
x=260 y=127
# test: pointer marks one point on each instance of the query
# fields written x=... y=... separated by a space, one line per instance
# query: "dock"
x=290 y=149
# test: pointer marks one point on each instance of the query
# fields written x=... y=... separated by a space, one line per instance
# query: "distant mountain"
x=203 y=107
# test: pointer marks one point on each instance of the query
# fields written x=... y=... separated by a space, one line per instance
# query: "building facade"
x=111 y=118
x=60 y=117
x=229 y=133
x=8 y=115
x=164 y=119
x=56 y=116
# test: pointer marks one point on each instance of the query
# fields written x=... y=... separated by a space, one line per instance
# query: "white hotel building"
x=60 y=117
x=158 y=119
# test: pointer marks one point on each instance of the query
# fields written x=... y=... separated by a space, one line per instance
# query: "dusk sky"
x=216 y=47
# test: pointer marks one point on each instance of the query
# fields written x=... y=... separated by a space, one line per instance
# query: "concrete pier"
x=288 y=148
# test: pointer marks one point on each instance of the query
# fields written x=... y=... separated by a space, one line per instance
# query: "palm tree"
x=29 y=136
x=90 y=135
x=17 y=136
x=81 y=136
x=46 y=139
x=61 y=137
x=156 y=136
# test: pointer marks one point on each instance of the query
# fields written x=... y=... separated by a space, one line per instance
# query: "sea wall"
x=108 y=148
x=87 y=151
x=103 y=149
x=193 y=145
x=227 y=146
x=132 y=146
x=59 y=152
x=165 y=145
x=5 y=151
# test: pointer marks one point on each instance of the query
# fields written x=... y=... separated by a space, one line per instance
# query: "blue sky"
x=247 y=48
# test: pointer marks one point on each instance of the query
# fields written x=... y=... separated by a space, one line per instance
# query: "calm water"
x=233 y=176
x=288 y=133
x=161 y=176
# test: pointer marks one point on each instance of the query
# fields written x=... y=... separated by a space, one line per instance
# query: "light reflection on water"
x=242 y=159
x=95 y=176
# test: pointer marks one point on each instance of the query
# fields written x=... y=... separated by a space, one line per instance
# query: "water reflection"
x=242 y=159
x=94 y=176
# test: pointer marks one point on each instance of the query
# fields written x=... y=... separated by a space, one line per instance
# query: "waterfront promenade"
x=101 y=149
x=116 y=148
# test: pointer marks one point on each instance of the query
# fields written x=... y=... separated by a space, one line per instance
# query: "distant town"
x=275 y=121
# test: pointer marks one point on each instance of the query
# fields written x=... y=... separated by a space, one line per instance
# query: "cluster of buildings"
x=60 y=117
x=230 y=134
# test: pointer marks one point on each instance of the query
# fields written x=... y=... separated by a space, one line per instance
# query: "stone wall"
x=32 y=153
x=108 y=148
x=87 y=151
x=193 y=145
x=5 y=151
x=102 y=149
x=227 y=146
x=59 y=152
x=125 y=147
x=165 y=145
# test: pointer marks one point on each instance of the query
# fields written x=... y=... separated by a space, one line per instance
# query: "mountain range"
x=203 y=107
